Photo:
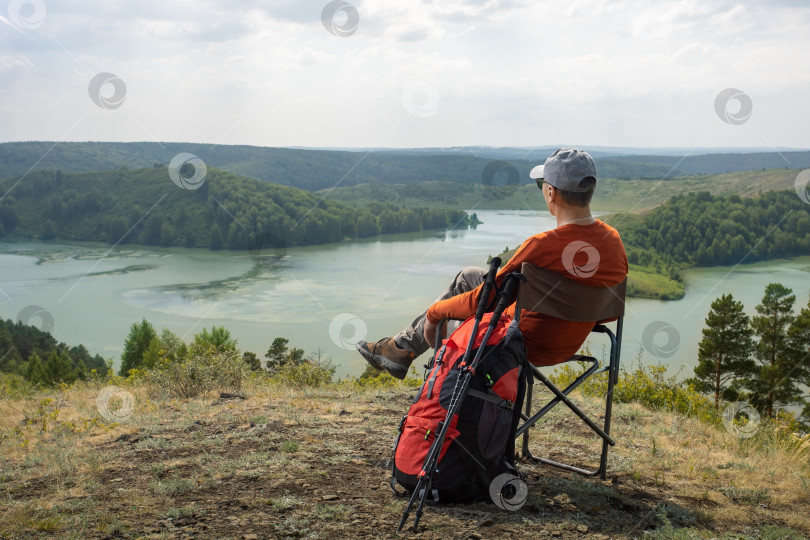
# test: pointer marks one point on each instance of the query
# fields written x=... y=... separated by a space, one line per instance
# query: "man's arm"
x=463 y=306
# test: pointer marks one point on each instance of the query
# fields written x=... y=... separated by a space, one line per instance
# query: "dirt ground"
x=312 y=464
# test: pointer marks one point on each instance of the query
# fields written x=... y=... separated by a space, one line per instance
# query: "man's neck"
x=576 y=215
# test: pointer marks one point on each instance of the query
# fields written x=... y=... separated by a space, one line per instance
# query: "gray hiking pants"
x=412 y=337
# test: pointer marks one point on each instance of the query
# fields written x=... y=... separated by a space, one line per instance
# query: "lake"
x=324 y=298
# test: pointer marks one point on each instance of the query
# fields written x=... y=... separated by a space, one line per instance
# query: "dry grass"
x=731 y=481
x=290 y=462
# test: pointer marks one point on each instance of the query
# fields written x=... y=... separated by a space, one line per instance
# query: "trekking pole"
x=460 y=392
x=425 y=478
x=457 y=399
x=505 y=299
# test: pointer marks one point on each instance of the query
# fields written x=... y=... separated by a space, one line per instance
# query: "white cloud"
x=509 y=73
x=14 y=62
x=13 y=68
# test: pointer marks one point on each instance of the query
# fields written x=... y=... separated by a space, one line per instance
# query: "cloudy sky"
x=413 y=73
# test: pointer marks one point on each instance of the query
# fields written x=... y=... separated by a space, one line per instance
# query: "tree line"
x=227 y=212
x=322 y=169
x=168 y=358
x=763 y=359
x=36 y=356
x=308 y=169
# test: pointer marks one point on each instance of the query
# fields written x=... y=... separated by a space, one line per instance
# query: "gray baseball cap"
x=566 y=169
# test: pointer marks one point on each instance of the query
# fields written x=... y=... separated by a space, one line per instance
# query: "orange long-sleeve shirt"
x=592 y=255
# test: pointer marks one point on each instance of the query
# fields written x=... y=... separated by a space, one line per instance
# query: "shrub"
x=13 y=385
x=782 y=434
x=382 y=380
x=199 y=372
x=219 y=338
x=305 y=373
x=648 y=386
x=166 y=346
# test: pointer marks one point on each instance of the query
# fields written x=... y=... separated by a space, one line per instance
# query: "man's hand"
x=429 y=332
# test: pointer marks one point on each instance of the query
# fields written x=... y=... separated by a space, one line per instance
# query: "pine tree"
x=775 y=381
x=724 y=353
x=276 y=354
x=136 y=345
x=799 y=351
x=252 y=361
x=58 y=368
x=279 y=355
x=34 y=372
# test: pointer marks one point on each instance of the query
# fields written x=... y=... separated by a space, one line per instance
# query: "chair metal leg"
x=602 y=470
x=562 y=396
x=524 y=451
x=571 y=405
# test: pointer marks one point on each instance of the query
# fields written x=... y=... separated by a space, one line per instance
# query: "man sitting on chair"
x=580 y=248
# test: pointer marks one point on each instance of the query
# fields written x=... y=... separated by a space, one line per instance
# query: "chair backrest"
x=550 y=293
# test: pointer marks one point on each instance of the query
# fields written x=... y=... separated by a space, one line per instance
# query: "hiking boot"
x=386 y=355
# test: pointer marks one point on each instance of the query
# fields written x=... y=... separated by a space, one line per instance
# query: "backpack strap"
x=436 y=368
x=512 y=329
x=492 y=398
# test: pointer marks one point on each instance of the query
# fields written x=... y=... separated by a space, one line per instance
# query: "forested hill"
x=308 y=169
x=323 y=169
x=144 y=206
x=702 y=229
x=305 y=169
x=699 y=229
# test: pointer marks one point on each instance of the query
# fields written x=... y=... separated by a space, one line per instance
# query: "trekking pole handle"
x=507 y=295
x=494 y=264
x=487 y=287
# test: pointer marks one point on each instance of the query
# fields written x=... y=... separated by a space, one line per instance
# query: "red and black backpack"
x=480 y=442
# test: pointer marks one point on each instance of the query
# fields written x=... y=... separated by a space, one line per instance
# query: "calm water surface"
x=324 y=298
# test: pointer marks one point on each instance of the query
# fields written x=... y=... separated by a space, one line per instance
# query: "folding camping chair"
x=548 y=293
